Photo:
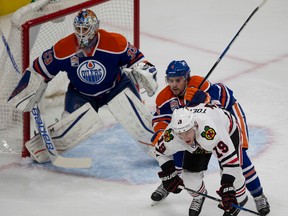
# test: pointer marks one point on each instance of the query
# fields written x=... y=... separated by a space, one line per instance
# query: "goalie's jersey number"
x=91 y=72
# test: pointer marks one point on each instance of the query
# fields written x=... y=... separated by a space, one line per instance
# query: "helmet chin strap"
x=184 y=91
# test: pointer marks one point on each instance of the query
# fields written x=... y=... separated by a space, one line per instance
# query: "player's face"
x=83 y=31
x=188 y=136
x=177 y=85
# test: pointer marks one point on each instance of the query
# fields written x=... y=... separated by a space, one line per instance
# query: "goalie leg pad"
x=67 y=133
x=29 y=91
x=134 y=117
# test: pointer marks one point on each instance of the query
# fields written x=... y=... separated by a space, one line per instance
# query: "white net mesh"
x=114 y=15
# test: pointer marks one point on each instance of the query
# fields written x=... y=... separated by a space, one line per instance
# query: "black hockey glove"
x=228 y=196
x=171 y=180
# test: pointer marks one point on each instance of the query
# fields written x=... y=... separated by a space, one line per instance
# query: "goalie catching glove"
x=143 y=74
x=170 y=178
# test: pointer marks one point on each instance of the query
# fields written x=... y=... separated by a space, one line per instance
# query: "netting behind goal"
x=35 y=28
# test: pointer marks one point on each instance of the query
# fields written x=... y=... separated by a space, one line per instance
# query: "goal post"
x=35 y=28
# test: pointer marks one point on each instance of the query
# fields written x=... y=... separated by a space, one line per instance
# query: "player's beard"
x=179 y=92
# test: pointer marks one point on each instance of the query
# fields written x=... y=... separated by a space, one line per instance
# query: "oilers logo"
x=91 y=72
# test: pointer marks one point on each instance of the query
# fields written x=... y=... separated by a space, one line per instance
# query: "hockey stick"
x=219 y=200
x=56 y=159
x=233 y=39
x=54 y=156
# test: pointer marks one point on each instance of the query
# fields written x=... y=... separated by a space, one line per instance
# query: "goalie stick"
x=219 y=200
x=231 y=42
x=54 y=156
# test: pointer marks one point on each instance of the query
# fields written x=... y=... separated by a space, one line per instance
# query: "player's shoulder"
x=66 y=46
x=112 y=42
x=164 y=95
x=196 y=80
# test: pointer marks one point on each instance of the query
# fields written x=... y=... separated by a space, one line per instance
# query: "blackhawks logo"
x=208 y=133
x=167 y=135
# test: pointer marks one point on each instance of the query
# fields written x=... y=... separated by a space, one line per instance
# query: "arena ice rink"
x=122 y=177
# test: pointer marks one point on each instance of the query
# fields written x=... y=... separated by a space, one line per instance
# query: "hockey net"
x=35 y=28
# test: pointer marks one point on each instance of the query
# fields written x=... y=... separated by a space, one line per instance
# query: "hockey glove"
x=228 y=196
x=194 y=96
x=171 y=180
x=143 y=74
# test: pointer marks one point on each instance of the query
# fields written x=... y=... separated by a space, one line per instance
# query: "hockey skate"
x=236 y=211
x=196 y=205
x=262 y=205
x=159 y=194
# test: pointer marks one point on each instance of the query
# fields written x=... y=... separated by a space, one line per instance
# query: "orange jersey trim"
x=112 y=42
x=160 y=125
x=224 y=96
x=66 y=46
x=164 y=95
x=242 y=124
x=195 y=81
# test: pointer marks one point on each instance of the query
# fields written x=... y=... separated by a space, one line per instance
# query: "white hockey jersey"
x=214 y=126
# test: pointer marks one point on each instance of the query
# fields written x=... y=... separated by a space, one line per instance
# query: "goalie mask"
x=86 y=25
x=178 y=69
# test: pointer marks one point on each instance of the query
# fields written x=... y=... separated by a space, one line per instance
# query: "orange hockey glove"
x=194 y=96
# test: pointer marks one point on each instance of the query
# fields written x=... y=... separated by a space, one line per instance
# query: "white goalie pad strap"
x=29 y=91
x=134 y=117
x=67 y=133
x=144 y=75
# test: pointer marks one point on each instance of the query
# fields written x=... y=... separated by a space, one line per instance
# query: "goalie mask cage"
x=35 y=28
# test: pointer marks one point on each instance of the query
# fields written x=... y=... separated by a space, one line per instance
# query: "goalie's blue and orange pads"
x=67 y=133
x=29 y=91
x=134 y=117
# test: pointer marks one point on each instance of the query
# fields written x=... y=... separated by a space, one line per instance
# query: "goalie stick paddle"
x=56 y=159
x=231 y=42
x=54 y=156
x=219 y=200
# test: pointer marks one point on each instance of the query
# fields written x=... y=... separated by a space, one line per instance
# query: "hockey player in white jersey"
x=203 y=128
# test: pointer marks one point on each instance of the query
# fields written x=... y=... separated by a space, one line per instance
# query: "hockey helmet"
x=178 y=69
x=86 y=25
x=182 y=120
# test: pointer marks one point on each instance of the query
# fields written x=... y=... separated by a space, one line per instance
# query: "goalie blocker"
x=28 y=92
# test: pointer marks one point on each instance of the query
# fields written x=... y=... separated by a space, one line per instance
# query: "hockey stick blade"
x=219 y=200
x=72 y=162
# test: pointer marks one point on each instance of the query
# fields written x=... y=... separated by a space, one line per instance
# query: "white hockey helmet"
x=86 y=25
x=182 y=120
